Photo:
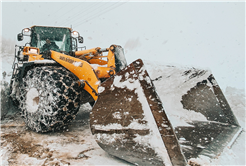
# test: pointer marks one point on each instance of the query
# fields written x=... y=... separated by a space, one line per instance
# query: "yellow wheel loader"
x=53 y=76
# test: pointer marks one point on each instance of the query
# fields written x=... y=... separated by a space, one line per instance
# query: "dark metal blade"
x=203 y=120
x=129 y=122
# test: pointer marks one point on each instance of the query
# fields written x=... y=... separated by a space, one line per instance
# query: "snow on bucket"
x=129 y=122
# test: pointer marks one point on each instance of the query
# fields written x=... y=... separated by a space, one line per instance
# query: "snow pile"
x=4 y=153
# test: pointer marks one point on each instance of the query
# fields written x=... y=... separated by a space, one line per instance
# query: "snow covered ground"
x=74 y=146
x=77 y=146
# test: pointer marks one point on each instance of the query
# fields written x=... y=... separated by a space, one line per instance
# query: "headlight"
x=26 y=30
x=33 y=51
x=75 y=34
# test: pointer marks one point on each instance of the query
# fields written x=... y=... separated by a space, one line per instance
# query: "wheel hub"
x=32 y=100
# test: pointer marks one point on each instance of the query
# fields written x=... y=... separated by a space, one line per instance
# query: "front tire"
x=49 y=98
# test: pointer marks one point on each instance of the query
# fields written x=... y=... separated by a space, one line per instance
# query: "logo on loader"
x=69 y=60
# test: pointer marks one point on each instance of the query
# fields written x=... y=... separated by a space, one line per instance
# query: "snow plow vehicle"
x=52 y=78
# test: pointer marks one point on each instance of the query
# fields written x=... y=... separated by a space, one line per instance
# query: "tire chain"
x=59 y=98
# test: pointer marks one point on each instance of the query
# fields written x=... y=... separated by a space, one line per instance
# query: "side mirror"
x=81 y=39
x=20 y=37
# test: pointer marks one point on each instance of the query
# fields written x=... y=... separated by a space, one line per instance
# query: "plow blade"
x=128 y=120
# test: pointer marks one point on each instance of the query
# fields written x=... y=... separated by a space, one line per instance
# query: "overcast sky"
x=201 y=34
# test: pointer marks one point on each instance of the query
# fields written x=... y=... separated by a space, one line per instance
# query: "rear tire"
x=49 y=98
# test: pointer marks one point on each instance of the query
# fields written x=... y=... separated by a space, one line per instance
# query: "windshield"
x=51 y=38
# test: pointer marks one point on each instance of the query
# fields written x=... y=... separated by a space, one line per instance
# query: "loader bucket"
x=128 y=119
